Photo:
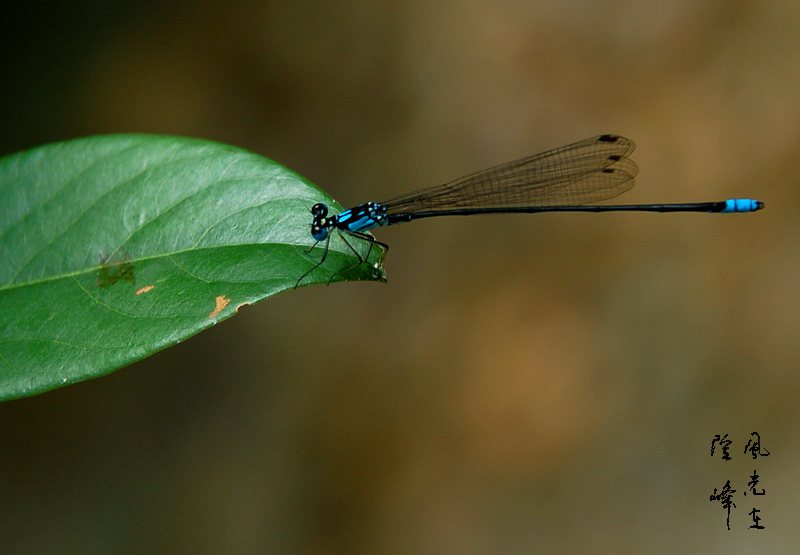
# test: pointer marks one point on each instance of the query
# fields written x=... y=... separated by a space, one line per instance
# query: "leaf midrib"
x=97 y=267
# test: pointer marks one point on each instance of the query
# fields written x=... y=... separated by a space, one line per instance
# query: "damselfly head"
x=319 y=210
x=319 y=232
x=319 y=227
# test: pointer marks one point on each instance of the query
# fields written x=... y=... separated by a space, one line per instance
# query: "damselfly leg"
x=361 y=259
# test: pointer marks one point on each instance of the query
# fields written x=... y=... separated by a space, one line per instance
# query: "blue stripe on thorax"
x=361 y=218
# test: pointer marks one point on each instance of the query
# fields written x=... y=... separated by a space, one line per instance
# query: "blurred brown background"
x=545 y=383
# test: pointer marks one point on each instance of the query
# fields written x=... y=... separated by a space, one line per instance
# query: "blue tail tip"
x=742 y=205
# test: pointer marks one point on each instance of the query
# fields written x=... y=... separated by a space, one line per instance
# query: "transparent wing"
x=585 y=172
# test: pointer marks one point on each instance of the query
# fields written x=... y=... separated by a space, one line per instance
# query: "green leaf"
x=115 y=247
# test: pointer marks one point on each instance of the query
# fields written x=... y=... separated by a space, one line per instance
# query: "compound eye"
x=319 y=210
x=318 y=232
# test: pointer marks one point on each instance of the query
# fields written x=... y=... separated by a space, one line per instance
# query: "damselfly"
x=565 y=179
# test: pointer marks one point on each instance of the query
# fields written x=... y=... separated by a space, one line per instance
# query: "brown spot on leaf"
x=145 y=289
x=222 y=301
x=114 y=272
